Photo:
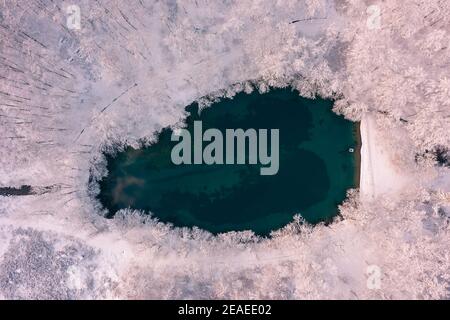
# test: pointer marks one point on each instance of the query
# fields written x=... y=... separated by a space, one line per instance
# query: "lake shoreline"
x=316 y=153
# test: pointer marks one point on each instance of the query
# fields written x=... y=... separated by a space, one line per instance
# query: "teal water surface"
x=315 y=169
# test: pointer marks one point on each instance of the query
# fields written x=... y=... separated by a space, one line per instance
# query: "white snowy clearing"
x=379 y=175
x=67 y=95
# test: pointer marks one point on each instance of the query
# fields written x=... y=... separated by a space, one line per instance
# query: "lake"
x=316 y=168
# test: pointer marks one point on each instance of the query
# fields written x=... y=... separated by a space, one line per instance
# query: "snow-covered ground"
x=67 y=95
x=379 y=175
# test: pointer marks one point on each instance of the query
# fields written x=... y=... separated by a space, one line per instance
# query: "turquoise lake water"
x=315 y=169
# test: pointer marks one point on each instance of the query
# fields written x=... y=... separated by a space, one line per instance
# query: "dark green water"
x=315 y=169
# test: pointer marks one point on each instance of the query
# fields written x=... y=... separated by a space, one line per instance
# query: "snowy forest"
x=79 y=78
